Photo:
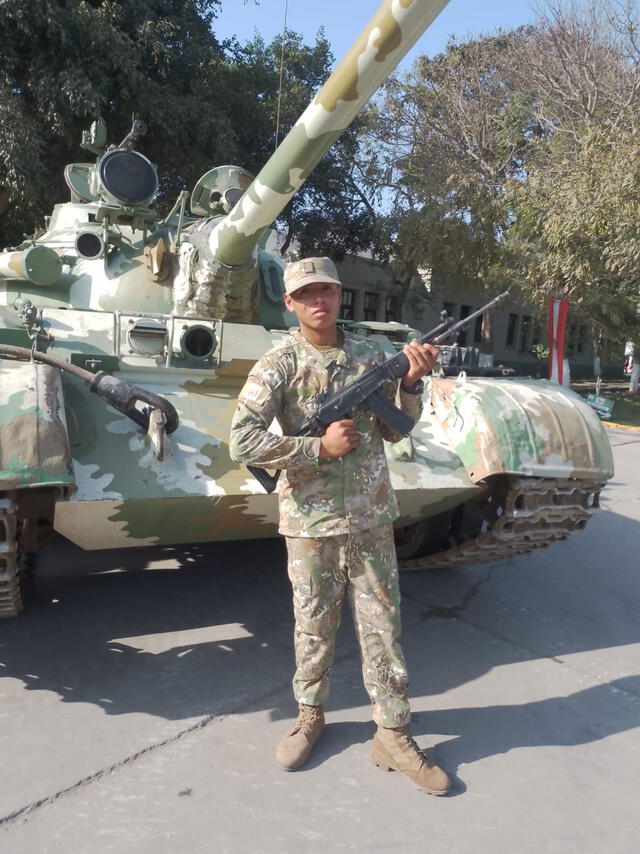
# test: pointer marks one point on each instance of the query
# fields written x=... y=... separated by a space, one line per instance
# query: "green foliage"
x=65 y=62
x=444 y=141
x=540 y=351
x=576 y=231
x=512 y=159
x=328 y=215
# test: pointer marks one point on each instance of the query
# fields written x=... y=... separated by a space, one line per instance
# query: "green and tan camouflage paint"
x=389 y=35
x=38 y=264
x=530 y=427
x=197 y=494
x=34 y=444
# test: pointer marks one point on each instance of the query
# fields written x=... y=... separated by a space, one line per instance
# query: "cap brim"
x=312 y=279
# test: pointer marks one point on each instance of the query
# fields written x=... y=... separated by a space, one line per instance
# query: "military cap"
x=308 y=270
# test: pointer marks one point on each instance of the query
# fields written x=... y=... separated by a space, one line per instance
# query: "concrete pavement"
x=139 y=709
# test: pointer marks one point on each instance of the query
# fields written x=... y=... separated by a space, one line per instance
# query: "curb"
x=620 y=426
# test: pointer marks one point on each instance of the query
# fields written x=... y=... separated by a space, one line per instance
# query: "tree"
x=64 y=62
x=445 y=139
x=581 y=66
x=576 y=232
x=511 y=158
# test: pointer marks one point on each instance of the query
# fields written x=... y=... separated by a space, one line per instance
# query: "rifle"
x=365 y=391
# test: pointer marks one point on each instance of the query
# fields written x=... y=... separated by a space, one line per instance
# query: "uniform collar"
x=344 y=345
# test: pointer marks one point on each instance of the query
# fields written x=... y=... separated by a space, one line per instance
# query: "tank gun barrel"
x=389 y=35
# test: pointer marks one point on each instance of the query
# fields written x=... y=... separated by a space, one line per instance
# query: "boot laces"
x=307 y=716
x=411 y=743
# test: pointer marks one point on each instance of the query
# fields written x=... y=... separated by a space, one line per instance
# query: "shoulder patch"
x=252 y=390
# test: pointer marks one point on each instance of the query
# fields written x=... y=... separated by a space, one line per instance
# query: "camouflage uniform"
x=335 y=513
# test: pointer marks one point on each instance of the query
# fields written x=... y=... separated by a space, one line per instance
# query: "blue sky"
x=343 y=20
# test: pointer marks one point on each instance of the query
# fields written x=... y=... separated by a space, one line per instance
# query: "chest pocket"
x=301 y=395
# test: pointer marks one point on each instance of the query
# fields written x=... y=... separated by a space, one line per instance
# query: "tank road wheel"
x=424 y=537
x=16 y=564
x=11 y=587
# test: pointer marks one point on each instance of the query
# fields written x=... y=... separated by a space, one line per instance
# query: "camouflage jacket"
x=318 y=497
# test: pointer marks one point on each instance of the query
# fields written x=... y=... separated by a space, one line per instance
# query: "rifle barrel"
x=462 y=324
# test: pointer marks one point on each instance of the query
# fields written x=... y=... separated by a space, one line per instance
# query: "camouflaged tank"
x=163 y=318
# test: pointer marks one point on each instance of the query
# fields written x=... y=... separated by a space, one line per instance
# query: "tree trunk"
x=486 y=334
x=597 y=350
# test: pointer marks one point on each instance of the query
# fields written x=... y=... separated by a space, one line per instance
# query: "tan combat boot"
x=297 y=743
x=395 y=750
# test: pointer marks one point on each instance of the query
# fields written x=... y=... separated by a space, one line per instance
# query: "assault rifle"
x=365 y=391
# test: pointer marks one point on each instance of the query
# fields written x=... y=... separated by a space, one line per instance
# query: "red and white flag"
x=558 y=311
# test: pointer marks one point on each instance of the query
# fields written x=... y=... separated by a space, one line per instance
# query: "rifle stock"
x=365 y=392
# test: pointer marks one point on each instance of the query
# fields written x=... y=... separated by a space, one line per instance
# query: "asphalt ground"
x=142 y=695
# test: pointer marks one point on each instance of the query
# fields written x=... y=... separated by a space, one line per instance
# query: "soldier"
x=336 y=512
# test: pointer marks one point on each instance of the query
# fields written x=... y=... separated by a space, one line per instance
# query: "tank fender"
x=34 y=442
x=521 y=426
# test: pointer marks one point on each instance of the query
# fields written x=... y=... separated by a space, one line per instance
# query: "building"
x=369 y=293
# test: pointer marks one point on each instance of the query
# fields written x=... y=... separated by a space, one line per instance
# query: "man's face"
x=316 y=305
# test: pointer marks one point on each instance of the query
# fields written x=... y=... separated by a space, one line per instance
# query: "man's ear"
x=288 y=302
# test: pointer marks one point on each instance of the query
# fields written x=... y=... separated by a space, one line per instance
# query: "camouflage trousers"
x=363 y=568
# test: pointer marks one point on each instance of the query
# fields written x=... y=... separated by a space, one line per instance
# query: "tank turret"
x=162 y=319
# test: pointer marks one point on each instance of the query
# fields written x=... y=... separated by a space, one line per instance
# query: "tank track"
x=11 y=603
x=533 y=513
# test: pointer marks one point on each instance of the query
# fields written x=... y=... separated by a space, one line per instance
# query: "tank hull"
x=124 y=496
x=471 y=431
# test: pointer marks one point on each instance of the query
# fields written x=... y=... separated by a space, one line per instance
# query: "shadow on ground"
x=207 y=631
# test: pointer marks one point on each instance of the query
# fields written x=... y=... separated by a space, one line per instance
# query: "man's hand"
x=421 y=358
x=338 y=439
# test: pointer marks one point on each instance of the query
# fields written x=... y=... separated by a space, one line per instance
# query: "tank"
x=125 y=338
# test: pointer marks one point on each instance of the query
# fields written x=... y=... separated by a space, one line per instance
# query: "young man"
x=336 y=512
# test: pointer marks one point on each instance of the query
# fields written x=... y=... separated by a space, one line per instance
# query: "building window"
x=512 y=328
x=570 y=338
x=370 y=306
x=347 y=307
x=390 y=308
x=524 y=333
x=582 y=331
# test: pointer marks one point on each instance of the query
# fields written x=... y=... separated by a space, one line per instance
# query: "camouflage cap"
x=309 y=270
